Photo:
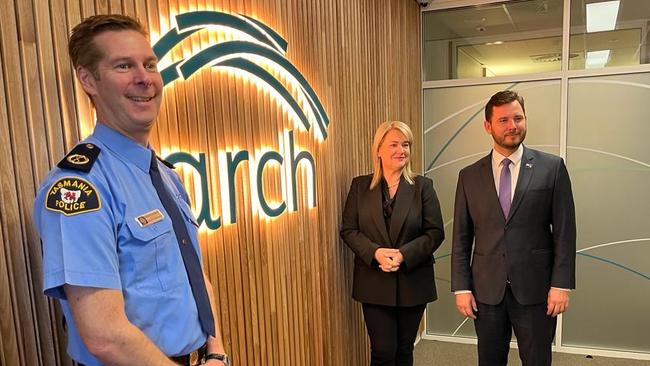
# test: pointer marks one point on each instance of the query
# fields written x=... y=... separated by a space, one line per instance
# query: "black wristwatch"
x=218 y=356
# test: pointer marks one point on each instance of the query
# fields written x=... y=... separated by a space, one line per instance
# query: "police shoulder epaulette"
x=81 y=158
x=169 y=165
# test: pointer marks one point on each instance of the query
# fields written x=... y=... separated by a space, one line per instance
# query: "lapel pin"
x=529 y=165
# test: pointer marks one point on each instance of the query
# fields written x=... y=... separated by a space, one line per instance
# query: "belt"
x=193 y=358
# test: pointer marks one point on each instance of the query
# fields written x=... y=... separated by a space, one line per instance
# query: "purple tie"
x=505 y=188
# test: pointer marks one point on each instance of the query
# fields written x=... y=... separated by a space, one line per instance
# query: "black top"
x=387 y=203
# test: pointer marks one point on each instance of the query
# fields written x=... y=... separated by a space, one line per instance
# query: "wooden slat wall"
x=283 y=284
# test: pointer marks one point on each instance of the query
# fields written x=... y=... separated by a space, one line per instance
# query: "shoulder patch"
x=81 y=158
x=71 y=196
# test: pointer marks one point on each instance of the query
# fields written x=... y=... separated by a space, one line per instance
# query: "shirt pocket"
x=150 y=232
x=187 y=212
x=192 y=226
x=157 y=262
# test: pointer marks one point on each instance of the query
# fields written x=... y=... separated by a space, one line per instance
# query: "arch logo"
x=257 y=52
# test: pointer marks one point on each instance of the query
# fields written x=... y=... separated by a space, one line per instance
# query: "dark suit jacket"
x=415 y=228
x=534 y=248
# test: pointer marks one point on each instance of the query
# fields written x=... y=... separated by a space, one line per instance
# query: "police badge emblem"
x=71 y=196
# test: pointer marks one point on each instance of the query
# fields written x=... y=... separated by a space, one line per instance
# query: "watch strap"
x=219 y=357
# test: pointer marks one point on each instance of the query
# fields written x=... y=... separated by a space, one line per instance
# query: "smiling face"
x=507 y=127
x=128 y=89
x=394 y=151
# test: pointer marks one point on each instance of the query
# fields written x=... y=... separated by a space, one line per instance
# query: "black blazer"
x=415 y=228
x=534 y=248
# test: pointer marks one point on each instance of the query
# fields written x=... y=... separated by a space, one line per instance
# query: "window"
x=517 y=37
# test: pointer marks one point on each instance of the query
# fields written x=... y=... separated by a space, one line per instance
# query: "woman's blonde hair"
x=380 y=134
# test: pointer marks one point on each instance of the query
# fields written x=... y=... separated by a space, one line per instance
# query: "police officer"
x=120 y=246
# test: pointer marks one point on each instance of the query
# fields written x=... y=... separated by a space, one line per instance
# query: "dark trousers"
x=534 y=330
x=392 y=331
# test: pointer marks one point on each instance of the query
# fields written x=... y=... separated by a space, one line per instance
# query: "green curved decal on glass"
x=266 y=44
x=462 y=127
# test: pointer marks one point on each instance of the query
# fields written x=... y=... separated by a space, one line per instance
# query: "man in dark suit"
x=514 y=241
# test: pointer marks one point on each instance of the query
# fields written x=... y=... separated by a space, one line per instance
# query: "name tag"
x=149 y=218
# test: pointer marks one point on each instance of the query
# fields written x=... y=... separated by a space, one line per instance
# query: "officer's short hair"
x=81 y=45
x=501 y=98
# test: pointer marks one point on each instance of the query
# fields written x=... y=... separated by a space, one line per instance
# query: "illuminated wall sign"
x=257 y=51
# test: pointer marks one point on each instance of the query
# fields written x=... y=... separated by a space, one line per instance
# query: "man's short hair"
x=501 y=98
x=81 y=46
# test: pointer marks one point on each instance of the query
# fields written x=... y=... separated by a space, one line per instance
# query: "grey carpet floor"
x=435 y=353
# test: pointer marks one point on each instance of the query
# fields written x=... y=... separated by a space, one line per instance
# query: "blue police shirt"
x=121 y=240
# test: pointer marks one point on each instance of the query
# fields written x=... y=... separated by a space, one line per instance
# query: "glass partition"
x=517 y=37
x=609 y=33
x=609 y=164
x=524 y=37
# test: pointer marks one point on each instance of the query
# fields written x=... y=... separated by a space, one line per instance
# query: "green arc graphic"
x=268 y=45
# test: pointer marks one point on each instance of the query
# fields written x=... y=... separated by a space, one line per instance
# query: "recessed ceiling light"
x=602 y=16
x=597 y=59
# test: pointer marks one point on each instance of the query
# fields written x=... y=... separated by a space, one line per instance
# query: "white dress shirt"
x=514 y=167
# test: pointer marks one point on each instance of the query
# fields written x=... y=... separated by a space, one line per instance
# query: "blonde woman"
x=392 y=223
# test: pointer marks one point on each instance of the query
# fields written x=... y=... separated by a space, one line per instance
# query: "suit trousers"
x=392 y=331
x=534 y=330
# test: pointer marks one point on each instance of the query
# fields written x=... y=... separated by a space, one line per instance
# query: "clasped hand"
x=389 y=259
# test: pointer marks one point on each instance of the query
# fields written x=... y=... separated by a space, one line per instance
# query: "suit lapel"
x=487 y=177
x=525 y=175
x=403 y=201
x=377 y=212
